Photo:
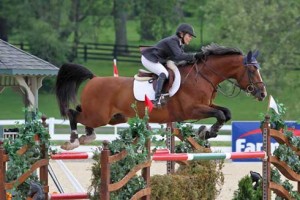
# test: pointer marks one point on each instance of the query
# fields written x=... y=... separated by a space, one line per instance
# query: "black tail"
x=69 y=77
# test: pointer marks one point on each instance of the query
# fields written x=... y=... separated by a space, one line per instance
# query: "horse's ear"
x=249 y=57
x=255 y=54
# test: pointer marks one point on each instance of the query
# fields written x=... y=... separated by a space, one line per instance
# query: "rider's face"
x=187 y=38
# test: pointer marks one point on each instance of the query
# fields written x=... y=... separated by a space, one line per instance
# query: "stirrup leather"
x=161 y=101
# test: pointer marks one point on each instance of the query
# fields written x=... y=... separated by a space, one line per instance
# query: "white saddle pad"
x=142 y=88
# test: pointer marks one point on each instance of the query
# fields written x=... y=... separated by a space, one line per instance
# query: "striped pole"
x=69 y=196
x=72 y=155
x=166 y=156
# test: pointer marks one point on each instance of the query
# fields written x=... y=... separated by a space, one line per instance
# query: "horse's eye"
x=252 y=68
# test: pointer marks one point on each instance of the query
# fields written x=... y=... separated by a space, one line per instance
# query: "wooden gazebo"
x=23 y=72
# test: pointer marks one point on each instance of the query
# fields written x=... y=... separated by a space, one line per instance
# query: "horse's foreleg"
x=226 y=111
x=219 y=114
x=74 y=141
x=214 y=129
x=205 y=134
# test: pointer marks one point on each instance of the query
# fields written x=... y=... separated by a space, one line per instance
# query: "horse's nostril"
x=263 y=95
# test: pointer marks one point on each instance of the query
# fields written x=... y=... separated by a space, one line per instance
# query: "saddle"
x=144 y=75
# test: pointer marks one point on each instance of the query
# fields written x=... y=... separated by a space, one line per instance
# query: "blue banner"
x=247 y=136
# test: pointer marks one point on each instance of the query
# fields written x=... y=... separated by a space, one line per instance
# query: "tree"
x=120 y=13
x=6 y=18
x=195 y=9
x=49 y=26
x=157 y=18
x=3 y=25
x=86 y=12
x=272 y=27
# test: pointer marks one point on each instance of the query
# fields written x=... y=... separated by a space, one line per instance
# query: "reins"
x=194 y=66
x=235 y=85
x=217 y=88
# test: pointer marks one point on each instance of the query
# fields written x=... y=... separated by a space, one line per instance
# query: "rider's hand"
x=198 y=55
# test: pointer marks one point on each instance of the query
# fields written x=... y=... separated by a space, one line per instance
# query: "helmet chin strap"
x=182 y=38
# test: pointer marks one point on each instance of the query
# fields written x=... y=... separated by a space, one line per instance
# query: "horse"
x=108 y=100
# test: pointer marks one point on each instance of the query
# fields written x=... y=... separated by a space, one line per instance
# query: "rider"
x=171 y=48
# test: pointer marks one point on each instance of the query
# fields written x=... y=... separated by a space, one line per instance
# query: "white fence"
x=52 y=122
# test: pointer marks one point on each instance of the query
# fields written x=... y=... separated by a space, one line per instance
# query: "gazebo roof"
x=14 y=61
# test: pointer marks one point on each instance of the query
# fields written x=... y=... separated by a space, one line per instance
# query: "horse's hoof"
x=202 y=131
x=206 y=144
x=86 y=139
x=212 y=134
x=70 y=145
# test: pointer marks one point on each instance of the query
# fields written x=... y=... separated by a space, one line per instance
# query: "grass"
x=242 y=107
x=220 y=143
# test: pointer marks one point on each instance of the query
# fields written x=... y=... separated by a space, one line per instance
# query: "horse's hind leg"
x=74 y=142
x=89 y=136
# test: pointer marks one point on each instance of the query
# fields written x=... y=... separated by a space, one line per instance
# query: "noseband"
x=252 y=86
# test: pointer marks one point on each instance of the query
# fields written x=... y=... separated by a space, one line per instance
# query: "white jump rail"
x=52 y=122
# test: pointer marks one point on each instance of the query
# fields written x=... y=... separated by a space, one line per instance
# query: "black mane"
x=215 y=49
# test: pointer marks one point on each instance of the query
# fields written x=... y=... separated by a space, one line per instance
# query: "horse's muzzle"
x=259 y=93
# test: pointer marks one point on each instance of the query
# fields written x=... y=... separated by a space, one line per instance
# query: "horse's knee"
x=221 y=117
x=227 y=114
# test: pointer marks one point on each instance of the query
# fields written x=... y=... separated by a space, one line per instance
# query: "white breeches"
x=156 y=68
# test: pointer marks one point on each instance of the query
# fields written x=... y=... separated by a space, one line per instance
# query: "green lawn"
x=243 y=107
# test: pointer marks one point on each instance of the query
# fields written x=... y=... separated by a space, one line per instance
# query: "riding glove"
x=198 y=55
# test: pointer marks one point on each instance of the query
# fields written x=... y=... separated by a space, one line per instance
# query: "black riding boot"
x=160 y=82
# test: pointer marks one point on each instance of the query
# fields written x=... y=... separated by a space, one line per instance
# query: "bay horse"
x=108 y=100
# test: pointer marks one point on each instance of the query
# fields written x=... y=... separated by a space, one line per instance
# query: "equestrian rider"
x=171 y=48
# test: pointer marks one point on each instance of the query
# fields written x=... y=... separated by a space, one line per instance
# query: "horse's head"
x=251 y=81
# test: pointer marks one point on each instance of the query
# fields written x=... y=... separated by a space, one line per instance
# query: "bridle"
x=251 y=87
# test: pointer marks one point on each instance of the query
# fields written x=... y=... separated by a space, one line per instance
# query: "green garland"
x=137 y=154
x=204 y=174
x=186 y=130
x=19 y=164
x=283 y=152
x=276 y=178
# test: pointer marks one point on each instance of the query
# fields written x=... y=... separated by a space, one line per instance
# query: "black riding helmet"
x=185 y=28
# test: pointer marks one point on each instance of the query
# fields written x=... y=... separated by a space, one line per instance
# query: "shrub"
x=246 y=191
x=197 y=180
